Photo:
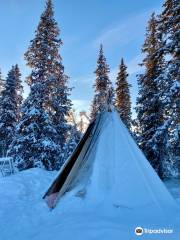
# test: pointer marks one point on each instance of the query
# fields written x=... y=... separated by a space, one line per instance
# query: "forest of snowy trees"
x=37 y=131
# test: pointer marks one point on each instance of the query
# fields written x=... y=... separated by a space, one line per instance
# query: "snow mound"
x=25 y=216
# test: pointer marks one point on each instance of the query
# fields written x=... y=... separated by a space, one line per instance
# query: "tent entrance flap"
x=61 y=183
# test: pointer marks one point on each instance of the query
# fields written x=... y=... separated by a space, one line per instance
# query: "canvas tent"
x=107 y=165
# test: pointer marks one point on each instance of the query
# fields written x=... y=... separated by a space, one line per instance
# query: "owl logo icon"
x=139 y=231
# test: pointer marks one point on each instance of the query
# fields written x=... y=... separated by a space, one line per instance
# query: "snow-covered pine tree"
x=149 y=105
x=19 y=91
x=11 y=99
x=123 y=98
x=34 y=143
x=169 y=29
x=44 y=117
x=101 y=86
x=46 y=63
x=43 y=55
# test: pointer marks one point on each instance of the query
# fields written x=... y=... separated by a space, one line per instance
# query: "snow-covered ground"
x=25 y=216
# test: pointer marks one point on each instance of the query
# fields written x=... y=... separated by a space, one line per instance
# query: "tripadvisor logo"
x=139 y=231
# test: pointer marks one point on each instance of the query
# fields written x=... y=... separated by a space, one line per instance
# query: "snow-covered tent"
x=107 y=166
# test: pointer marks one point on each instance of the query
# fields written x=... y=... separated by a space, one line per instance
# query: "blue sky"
x=118 y=24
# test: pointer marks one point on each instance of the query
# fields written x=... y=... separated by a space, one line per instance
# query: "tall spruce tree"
x=102 y=84
x=41 y=134
x=123 y=99
x=42 y=55
x=46 y=63
x=149 y=105
x=169 y=29
x=11 y=99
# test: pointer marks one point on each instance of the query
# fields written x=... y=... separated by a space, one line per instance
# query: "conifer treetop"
x=102 y=70
x=102 y=85
x=123 y=99
x=43 y=53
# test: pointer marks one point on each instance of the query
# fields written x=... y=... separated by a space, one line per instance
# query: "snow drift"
x=25 y=216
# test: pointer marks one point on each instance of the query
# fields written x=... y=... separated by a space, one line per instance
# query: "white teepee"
x=108 y=166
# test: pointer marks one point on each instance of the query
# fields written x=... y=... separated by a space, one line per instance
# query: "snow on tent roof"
x=108 y=166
